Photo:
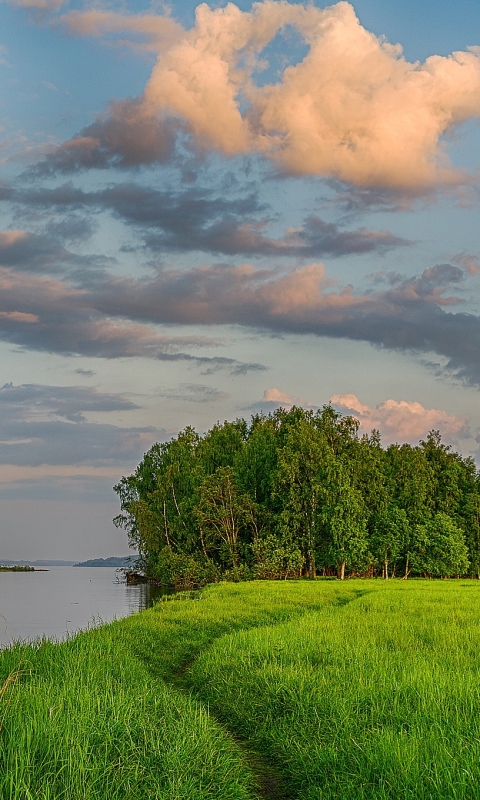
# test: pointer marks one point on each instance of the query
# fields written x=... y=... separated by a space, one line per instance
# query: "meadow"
x=296 y=689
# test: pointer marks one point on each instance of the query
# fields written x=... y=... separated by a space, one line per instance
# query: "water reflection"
x=143 y=595
x=62 y=600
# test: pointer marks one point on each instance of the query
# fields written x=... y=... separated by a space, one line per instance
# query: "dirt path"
x=270 y=784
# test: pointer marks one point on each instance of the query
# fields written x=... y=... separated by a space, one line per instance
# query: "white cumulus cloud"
x=354 y=108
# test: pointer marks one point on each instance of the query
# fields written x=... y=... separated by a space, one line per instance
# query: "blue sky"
x=209 y=211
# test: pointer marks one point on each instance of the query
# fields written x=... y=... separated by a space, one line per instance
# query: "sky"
x=208 y=211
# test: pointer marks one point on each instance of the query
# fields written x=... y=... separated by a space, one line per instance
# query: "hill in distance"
x=113 y=561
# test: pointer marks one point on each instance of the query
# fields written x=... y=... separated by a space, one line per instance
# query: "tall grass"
x=86 y=720
x=378 y=698
x=361 y=690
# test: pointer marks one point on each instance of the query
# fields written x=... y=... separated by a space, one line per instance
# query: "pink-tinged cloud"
x=11 y=238
x=274 y=395
x=111 y=316
x=399 y=420
x=274 y=398
x=18 y=316
x=353 y=109
x=152 y=30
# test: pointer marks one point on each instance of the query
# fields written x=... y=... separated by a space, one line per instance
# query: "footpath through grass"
x=356 y=690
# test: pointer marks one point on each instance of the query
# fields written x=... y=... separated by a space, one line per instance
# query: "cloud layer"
x=353 y=109
x=178 y=221
x=103 y=315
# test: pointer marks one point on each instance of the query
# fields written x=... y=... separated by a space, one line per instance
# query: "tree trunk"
x=165 y=521
x=312 y=572
x=386 y=570
x=407 y=571
x=341 y=571
x=203 y=542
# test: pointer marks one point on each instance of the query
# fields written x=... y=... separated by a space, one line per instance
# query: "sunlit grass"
x=378 y=698
x=356 y=690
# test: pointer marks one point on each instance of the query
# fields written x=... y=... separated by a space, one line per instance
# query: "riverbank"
x=300 y=690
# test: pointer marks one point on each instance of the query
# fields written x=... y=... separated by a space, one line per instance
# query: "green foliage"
x=183 y=571
x=300 y=490
x=439 y=548
x=274 y=560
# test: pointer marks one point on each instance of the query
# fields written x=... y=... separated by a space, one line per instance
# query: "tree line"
x=296 y=493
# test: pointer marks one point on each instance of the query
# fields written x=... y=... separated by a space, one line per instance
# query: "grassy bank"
x=356 y=690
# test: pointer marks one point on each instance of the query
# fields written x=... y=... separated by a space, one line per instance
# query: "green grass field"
x=306 y=690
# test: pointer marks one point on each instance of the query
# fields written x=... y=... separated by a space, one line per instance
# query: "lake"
x=63 y=600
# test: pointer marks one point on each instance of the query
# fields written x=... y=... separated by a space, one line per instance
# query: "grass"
x=347 y=691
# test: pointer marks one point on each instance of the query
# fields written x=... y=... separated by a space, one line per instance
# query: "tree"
x=301 y=462
x=344 y=516
x=390 y=536
x=439 y=548
x=274 y=559
x=300 y=487
x=222 y=513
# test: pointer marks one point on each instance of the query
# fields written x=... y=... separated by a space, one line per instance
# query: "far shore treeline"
x=300 y=493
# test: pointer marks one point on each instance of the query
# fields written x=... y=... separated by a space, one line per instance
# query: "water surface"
x=63 y=600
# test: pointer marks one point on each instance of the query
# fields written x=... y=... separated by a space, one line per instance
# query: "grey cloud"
x=194 y=393
x=45 y=254
x=353 y=200
x=70 y=402
x=72 y=228
x=49 y=315
x=66 y=443
x=87 y=373
x=435 y=279
x=111 y=317
x=126 y=136
x=29 y=437
x=408 y=316
x=200 y=220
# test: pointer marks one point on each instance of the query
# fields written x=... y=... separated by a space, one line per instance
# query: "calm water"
x=64 y=600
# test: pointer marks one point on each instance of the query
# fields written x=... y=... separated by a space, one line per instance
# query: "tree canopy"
x=296 y=493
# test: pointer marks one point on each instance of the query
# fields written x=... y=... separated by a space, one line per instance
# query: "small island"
x=16 y=568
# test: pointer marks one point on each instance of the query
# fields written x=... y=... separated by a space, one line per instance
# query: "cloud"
x=408 y=316
x=194 y=393
x=127 y=135
x=87 y=373
x=38 y=5
x=46 y=425
x=274 y=398
x=81 y=487
x=354 y=109
x=470 y=263
x=150 y=31
x=103 y=315
x=69 y=402
x=201 y=220
x=45 y=253
x=49 y=315
x=400 y=420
